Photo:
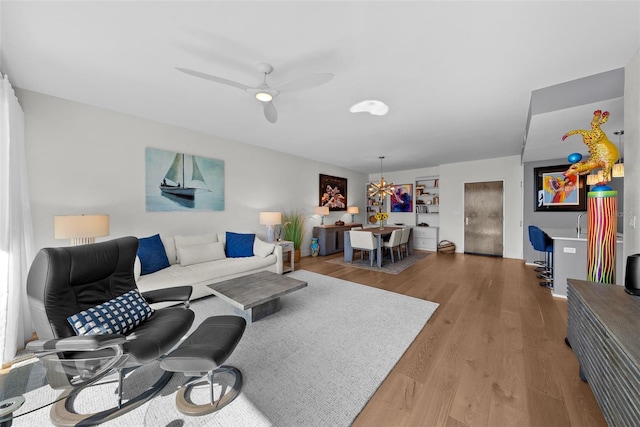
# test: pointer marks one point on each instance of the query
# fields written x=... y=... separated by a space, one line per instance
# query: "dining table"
x=380 y=234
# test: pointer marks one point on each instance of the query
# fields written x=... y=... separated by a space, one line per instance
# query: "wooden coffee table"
x=257 y=295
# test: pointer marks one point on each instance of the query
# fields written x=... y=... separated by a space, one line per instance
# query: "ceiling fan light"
x=264 y=96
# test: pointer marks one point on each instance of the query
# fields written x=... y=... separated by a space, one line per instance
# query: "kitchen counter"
x=570 y=258
x=563 y=233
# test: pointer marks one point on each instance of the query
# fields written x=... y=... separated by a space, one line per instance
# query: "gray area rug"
x=387 y=266
x=317 y=362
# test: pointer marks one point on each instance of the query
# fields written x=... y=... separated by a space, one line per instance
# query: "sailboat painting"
x=179 y=181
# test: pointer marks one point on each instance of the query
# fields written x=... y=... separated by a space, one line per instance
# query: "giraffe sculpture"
x=603 y=153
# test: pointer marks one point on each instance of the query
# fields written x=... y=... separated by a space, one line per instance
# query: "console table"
x=331 y=237
x=603 y=329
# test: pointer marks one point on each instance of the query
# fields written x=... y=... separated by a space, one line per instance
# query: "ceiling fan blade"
x=214 y=78
x=306 y=82
x=270 y=112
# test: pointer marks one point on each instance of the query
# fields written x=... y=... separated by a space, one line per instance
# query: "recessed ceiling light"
x=371 y=106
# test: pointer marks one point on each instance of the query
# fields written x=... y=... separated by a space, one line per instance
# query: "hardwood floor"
x=493 y=353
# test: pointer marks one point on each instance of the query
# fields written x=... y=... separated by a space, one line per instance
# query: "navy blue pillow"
x=239 y=245
x=152 y=255
x=117 y=316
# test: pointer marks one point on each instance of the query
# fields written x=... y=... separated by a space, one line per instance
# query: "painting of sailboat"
x=181 y=181
x=171 y=184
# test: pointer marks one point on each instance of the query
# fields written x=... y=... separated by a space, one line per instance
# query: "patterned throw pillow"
x=117 y=316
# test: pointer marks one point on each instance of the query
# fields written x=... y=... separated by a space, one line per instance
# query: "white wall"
x=453 y=176
x=83 y=159
x=632 y=156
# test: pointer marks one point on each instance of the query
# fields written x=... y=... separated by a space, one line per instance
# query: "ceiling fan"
x=264 y=93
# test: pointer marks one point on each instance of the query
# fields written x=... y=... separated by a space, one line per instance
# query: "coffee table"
x=256 y=295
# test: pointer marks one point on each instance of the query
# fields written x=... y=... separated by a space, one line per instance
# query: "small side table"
x=287 y=246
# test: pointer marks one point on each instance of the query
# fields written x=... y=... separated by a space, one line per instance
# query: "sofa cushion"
x=196 y=254
x=239 y=245
x=198 y=239
x=169 y=243
x=261 y=248
x=117 y=316
x=152 y=254
x=200 y=275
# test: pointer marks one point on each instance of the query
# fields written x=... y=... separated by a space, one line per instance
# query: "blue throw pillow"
x=239 y=245
x=117 y=316
x=152 y=254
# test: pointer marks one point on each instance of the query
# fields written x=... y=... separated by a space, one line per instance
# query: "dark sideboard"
x=331 y=237
x=603 y=330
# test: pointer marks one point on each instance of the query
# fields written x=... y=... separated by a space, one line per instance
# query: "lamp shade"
x=353 y=210
x=270 y=218
x=322 y=210
x=81 y=229
x=618 y=170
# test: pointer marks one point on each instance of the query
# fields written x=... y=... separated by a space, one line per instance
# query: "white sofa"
x=201 y=260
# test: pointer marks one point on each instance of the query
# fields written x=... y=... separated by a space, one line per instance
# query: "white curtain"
x=16 y=228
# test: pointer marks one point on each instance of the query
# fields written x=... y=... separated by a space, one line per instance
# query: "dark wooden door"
x=483 y=218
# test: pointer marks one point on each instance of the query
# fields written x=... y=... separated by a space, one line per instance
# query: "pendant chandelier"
x=382 y=188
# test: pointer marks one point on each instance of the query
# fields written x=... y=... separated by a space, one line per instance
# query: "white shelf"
x=427 y=201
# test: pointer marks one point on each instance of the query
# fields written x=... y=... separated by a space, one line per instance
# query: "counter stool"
x=543 y=243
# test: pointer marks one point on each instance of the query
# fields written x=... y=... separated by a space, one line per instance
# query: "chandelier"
x=382 y=188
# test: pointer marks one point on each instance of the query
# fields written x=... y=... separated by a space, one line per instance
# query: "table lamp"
x=353 y=210
x=81 y=229
x=270 y=219
x=322 y=211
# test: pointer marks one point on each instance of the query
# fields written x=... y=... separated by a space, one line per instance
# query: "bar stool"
x=543 y=243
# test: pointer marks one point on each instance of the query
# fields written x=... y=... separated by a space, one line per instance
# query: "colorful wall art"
x=183 y=182
x=402 y=198
x=333 y=192
x=556 y=192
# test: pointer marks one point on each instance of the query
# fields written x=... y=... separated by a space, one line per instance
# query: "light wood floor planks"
x=493 y=354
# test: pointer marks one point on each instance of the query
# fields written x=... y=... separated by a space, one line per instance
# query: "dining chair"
x=364 y=241
x=394 y=242
x=356 y=228
x=404 y=241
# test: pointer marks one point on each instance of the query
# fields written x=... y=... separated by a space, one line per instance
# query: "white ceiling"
x=457 y=76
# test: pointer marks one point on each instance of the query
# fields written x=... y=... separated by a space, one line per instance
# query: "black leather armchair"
x=65 y=281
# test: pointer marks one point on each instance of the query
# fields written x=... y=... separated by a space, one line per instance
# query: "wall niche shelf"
x=427 y=209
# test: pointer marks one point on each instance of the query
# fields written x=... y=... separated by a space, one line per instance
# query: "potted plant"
x=293 y=230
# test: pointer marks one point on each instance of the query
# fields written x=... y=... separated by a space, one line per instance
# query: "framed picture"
x=402 y=198
x=333 y=192
x=178 y=181
x=555 y=193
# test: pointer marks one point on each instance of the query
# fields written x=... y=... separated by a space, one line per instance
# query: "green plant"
x=293 y=227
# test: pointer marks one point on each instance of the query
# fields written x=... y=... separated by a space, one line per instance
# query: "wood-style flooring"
x=493 y=353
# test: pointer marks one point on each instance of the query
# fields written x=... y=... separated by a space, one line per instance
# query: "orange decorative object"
x=604 y=153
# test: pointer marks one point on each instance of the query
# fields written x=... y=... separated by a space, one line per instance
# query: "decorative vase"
x=296 y=255
x=315 y=246
x=381 y=224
